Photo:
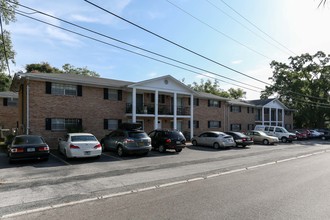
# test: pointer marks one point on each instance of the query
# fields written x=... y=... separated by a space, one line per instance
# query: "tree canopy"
x=45 y=67
x=304 y=85
x=214 y=88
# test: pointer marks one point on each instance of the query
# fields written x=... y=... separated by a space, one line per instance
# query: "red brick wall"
x=8 y=115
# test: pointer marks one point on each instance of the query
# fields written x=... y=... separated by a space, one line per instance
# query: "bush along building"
x=53 y=104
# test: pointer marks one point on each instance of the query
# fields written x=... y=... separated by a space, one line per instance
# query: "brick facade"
x=8 y=110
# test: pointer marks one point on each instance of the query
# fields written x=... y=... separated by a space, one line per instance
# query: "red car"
x=301 y=135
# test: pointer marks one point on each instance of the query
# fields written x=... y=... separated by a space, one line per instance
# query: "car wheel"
x=161 y=149
x=216 y=146
x=284 y=139
x=323 y=138
x=120 y=151
x=194 y=142
x=178 y=150
x=265 y=142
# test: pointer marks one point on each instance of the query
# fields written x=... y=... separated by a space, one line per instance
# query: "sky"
x=231 y=41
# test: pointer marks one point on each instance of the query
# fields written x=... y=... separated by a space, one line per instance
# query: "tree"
x=45 y=67
x=7 y=15
x=5 y=81
x=304 y=85
x=214 y=88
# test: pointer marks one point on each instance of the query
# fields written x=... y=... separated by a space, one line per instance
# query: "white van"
x=277 y=131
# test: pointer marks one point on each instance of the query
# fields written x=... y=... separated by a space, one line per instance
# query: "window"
x=250 y=127
x=235 y=127
x=196 y=124
x=63 y=89
x=111 y=124
x=113 y=94
x=10 y=101
x=214 y=124
x=214 y=103
x=161 y=98
x=196 y=101
x=235 y=108
x=62 y=124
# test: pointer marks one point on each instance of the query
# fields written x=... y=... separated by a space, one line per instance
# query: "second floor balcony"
x=162 y=109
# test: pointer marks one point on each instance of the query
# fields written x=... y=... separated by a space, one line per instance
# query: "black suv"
x=167 y=139
x=128 y=139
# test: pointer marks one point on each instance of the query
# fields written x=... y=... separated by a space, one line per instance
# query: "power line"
x=257 y=27
x=152 y=58
x=176 y=44
x=247 y=28
x=217 y=30
x=154 y=53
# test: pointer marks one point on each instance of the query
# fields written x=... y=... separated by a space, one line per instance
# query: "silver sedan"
x=215 y=139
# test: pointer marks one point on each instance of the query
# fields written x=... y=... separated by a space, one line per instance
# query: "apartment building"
x=52 y=104
x=8 y=110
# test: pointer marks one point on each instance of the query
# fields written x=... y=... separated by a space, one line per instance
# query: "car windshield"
x=137 y=134
x=83 y=138
x=240 y=134
x=28 y=140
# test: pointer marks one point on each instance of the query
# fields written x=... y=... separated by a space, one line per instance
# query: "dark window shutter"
x=120 y=122
x=105 y=93
x=189 y=100
x=248 y=109
x=240 y=127
x=48 y=123
x=219 y=124
x=208 y=124
x=79 y=90
x=231 y=127
x=208 y=103
x=5 y=102
x=120 y=95
x=231 y=108
x=197 y=102
x=197 y=124
x=240 y=109
x=48 y=88
x=105 y=124
x=219 y=104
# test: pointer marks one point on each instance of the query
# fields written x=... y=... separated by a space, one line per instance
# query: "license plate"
x=87 y=153
x=30 y=149
x=178 y=142
x=141 y=144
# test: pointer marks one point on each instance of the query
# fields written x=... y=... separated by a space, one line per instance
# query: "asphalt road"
x=261 y=182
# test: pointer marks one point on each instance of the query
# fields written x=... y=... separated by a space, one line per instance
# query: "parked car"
x=77 y=145
x=277 y=131
x=240 y=138
x=25 y=147
x=305 y=131
x=262 y=137
x=326 y=135
x=215 y=139
x=299 y=135
x=127 y=141
x=316 y=134
x=167 y=139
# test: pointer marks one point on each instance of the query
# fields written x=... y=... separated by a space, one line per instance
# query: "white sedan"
x=216 y=139
x=76 y=145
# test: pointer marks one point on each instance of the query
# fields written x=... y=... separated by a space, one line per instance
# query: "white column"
x=283 y=125
x=270 y=116
x=276 y=116
x=134 y=105
x=175 y=99
x=191 y=116
x=263 y=115
x=156 y=110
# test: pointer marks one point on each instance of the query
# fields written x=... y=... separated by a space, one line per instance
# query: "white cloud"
x=81 y=18
x=62 y=36
x=236 y=61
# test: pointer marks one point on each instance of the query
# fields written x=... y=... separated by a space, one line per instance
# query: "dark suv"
x=127 y=140
x=167 y=139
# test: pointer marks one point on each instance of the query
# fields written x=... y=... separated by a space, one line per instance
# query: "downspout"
x=27 y=107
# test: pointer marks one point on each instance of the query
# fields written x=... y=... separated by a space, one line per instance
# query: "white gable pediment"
x=275 y=104
x=163 y=84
